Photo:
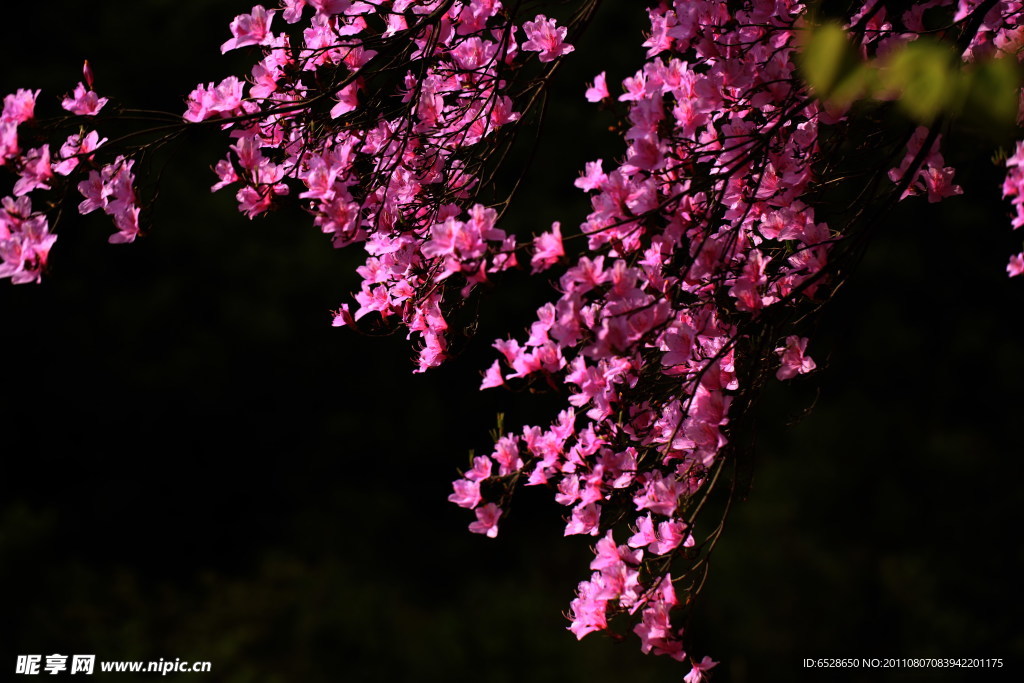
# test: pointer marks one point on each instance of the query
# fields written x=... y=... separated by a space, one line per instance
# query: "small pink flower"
x=486 y=520
x=8 y=140
x=95 y=191
x=206 y=100
x=250 y=29
x=20 y=106
x=670 y=536
x=547 y=248
x=342 y=317
x=36 y=173
x=1016 y=265
x=586 y=519
x=225 y=171
x=467 y=493
x=83 y=102
x=794 y=362
x=506 y=452
x=482 y=467
x=329 y=7
x=126 y=220
x=696 y=674
x=598 y=91
x=545 y=37
x=348 y=100
x=589 y=608
x=493 y=378
x=74 y=149
x=645 y=534
x=593 y=176
x=293 y=10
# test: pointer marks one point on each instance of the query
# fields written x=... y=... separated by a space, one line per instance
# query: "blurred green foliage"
x=925 y=77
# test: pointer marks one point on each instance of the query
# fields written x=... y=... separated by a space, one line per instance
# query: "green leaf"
x=830 y=64
x=923 y=76
x=993 y=91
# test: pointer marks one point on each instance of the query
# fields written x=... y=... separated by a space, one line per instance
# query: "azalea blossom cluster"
x=1013 y=187
x=679 y=294
x=25 y=235
x=700 y=238
x=695 y=234
x=393 y=170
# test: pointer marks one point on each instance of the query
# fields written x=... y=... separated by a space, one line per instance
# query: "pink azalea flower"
x=25 y=241
x=8 y=141
x=660 y=495
x=748 y=284
x=938 y=182
x=74 y=149
x=482 y=467
x=430 y=356
x=95 y=191
x=264 y=80
x=225 y=171
x=20 y=106
x=293 y=10
x=342 y=317
x=588 y=609
x=794 y=362
x=593 y=177
x=645 y=534
x=328 y=7
x=486 y=520
x=205 y=101
x=493 y=378
x=586 y=519
x=670 y=536
x=599 y=90
x=250 y=29
x=36 y=172
x=83 y=102
x=1016 y=265
x=655 y=629
x=696 y=674
x=467 y=493
x=545 y=37
x=547 y=248
x=126 y=220
x=506 y=453
x=348 y=100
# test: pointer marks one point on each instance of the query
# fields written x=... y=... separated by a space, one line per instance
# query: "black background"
x=197 y=465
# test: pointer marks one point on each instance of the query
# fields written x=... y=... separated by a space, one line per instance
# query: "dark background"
x=197 y=465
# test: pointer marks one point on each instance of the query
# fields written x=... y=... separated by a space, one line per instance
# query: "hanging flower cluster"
x=697 y=233
x=394 y=170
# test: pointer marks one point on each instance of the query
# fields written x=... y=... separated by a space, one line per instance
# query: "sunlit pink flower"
x=348 y=100
x=36 y=171
x=250 y=29
x=696 y=674
x=467 y=493
x=19 y=106
x=83 y=102
x=545 y=37
x=486 y=520
x=1016 y=265
x=547 y=248
x=599 y=90
x=794 y=362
